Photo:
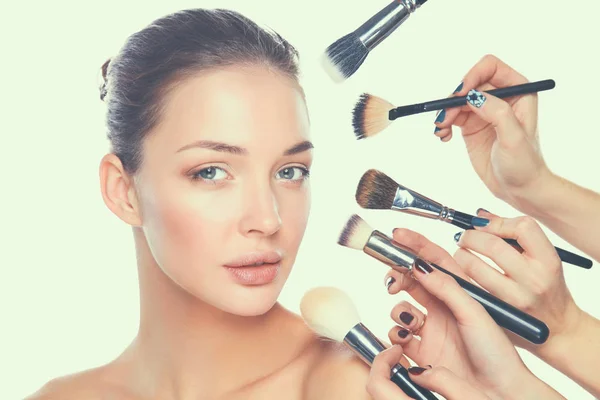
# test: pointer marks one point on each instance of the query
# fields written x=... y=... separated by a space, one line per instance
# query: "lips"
x=255 y=259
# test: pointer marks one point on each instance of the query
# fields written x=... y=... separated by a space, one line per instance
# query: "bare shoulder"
x=93 y=384
x=337 y=374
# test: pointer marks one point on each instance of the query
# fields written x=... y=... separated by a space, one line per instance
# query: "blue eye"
x=293 y=173
x=211 y=174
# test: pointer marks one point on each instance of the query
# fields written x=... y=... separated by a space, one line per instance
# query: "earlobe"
x=118 y=190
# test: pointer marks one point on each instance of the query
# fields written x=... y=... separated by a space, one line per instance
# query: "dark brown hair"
x=154 y=59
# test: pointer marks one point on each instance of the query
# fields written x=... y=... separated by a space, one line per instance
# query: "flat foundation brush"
x=358 y=235
x=372 y=114
x=378 y=191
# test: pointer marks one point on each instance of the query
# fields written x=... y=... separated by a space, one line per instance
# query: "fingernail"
x=457 y=236
x=416 y=370
x=405 y=317
x=394 y=231
x=476 y=98
x=403 y=333
x=441 y=116
x=481 y=222
x=389 y=282
x=436 y=130
x=482 y=209
x=423 y=267
x=459 y=87
x=429 y=366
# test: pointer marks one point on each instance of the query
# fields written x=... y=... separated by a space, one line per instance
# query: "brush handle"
x=505 y=315
x=451 y=102
x=463 y=221
x=401 y=378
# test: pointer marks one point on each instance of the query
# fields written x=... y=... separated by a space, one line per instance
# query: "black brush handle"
x=451 y=102
x=401 y=378
x=463 y=221
x=505 y=315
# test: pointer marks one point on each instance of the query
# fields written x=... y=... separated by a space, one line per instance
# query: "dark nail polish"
x=405 y=317
x=482 y=209
x=403 y=333
x=389 y=282
x=423 y=267
x=481 y=222
x=459 y=87
x=476 y=98
x=441 y=116
x=436 y=130
x=457 y=236
x=416 y=370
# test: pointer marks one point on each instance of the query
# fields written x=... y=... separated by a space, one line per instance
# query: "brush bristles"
x=329 y=312
x=345 y=56
x=376 y=190
x=370 y=116
x=356 y=233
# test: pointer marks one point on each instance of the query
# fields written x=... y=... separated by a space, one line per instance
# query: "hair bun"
x=103 y=89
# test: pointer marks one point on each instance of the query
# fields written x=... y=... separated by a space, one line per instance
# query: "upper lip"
x=263 y=257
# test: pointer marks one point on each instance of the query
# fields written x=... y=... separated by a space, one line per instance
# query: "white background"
x=69 y=297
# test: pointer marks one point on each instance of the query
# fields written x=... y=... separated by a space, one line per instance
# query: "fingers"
x=408 y=316
x=441 y=380
x=379 y=385
x=528 y=233
x=466 y=310
x=493 y=281
x=495 y=248
x=500 y=114
x=490 y=69
x=427 y=250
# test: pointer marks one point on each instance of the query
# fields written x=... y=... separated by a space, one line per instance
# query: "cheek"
x=188 y=226
x=294 y=209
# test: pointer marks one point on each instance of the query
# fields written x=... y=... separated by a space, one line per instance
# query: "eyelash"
x=196 y=175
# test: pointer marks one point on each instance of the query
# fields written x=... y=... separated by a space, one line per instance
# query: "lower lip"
x=259 y=275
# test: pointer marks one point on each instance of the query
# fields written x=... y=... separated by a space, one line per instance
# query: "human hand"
x=501 y=135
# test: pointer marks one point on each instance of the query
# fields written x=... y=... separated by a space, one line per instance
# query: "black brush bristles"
x=376 y=190
x=349 y=229
x=370 y=115
x=344 y=57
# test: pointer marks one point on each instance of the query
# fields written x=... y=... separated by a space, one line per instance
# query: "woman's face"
x=223 y=186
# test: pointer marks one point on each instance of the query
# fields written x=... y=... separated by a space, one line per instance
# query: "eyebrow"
x=227 y=148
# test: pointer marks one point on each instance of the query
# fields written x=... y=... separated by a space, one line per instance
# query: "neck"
x=185 y=346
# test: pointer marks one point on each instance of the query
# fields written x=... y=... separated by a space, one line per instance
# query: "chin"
x=250 y=301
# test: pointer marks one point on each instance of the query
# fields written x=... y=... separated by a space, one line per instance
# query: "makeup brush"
x=331 y=313
x=345 y=56
x=372 y=114
x=378 y=191
x=358 y=235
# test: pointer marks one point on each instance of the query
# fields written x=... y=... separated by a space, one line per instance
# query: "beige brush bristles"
x=370 y=115
x=329 y=312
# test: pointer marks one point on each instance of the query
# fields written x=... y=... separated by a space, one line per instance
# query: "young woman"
x=209 y=166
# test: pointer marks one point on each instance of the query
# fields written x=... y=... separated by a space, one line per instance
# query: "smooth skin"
x=502 y=141
x=458 y=334
x=223 y=175
x=534 y=282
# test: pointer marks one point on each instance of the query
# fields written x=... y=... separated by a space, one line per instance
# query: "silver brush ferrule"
x=364 y=343
x=384 y=249
x=382 y=24
x=411 y=202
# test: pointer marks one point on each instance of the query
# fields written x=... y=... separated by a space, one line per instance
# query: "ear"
x=118 y=191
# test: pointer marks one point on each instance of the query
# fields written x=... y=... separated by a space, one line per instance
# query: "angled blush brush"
x=378 y=191
x=358 y=235
x=331 y=314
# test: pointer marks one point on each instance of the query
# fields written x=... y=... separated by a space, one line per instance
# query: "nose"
x=261 y=216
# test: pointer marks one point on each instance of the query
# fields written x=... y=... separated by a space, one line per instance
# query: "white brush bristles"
x=329 y=311
x=356 y=233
